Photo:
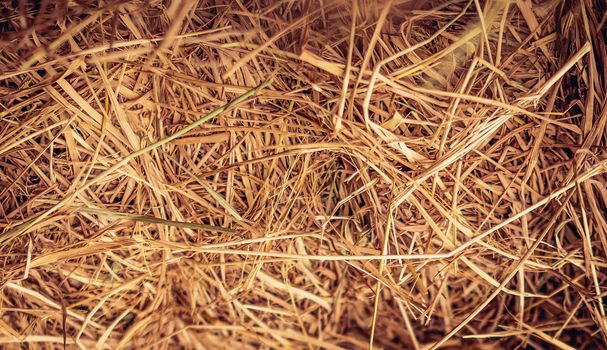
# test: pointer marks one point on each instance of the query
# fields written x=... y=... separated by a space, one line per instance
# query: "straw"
x=306 y=174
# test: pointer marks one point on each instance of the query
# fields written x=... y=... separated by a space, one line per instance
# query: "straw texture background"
x=303 y=174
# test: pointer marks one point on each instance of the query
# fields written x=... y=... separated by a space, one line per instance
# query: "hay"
x=320 y=174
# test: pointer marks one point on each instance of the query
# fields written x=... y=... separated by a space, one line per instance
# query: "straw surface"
x=306 y=174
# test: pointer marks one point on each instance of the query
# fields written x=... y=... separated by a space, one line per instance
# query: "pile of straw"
x=306 y=174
